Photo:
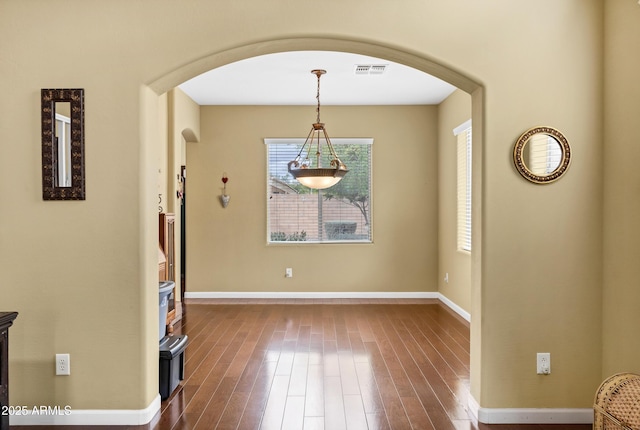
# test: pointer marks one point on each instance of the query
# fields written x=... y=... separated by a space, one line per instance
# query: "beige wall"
x=81 y=274
x=454 y=111
x=163 y=153
x=227 y=248
x=621 y=295
x=540 y=285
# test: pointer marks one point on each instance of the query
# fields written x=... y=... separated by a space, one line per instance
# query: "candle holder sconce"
x=224 y=198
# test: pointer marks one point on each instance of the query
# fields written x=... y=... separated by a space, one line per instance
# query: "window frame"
x=337 y=143
x=464 y=179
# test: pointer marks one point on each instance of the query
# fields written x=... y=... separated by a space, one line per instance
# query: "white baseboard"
x=530 y=415
x=329 y=295
x=309 y=295
x=457 y=309
x=89 y=417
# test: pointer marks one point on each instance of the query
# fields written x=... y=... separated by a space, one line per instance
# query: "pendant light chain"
x=318 y=74
x=308 y=174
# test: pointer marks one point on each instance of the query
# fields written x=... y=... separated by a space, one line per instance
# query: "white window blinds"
x=463 y=134
x=341 y=213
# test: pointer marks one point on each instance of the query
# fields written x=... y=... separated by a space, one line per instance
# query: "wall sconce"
x=224 y=198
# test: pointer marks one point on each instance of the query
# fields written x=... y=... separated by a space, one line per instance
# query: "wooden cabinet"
x=162 y=264
x=6 y=320
x=167 y=269
x=167 y=243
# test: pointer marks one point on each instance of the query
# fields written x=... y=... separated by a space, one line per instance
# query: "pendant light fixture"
x=303 y=169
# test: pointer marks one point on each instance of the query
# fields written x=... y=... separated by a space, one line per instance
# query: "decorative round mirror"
x=542 y=155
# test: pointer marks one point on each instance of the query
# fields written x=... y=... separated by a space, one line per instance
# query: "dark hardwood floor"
x=332 y=364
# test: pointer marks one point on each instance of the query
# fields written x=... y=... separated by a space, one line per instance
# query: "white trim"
x=63 y=118
x=329 y=295
x=474 y=407
x=454 y=307
x=90 y=417
x=529 y=415
x=462 y=127
x=309 y=295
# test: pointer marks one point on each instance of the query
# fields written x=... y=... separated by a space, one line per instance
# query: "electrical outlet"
x=544 y=363
x=288 y=272
x=63 y=364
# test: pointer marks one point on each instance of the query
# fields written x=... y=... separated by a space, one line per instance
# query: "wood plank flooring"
x=337 y=364
x=333 y=364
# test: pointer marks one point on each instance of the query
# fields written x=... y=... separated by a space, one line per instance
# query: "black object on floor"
x=171 y=363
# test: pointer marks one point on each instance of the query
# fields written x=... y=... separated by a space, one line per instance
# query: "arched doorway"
x=419 y=62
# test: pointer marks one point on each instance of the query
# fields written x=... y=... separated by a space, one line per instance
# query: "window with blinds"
x=297 y=214
x=463 y=134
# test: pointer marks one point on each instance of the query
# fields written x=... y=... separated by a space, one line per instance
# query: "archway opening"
x=414 y=60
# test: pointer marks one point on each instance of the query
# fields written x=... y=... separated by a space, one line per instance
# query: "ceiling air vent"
x=370 y=69
x=362 y=69
x=377 y=69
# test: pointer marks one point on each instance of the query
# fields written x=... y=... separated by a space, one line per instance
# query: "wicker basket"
x=617 y=403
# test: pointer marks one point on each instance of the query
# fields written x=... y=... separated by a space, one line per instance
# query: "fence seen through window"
x=341 y=213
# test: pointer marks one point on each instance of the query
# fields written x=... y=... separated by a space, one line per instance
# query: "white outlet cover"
x=63 y=364
x=543 y=361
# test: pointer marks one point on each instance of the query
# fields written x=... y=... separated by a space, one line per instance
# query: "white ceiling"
x=286 y=79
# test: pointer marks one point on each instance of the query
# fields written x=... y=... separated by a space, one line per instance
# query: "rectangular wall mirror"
x=63 y=176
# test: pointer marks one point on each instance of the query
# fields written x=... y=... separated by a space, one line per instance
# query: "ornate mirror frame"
x=523 y=169
x=51 y=187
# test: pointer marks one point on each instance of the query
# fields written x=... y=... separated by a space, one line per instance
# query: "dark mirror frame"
x=50 y=188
